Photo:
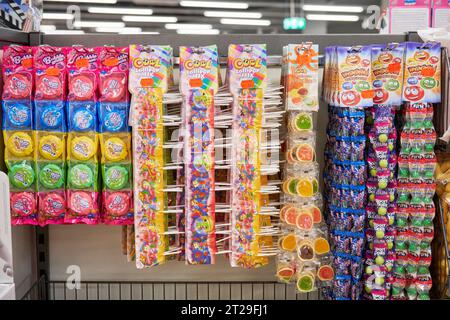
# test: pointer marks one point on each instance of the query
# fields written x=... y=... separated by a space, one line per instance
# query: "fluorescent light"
x=47 y=27
x=331 y=17
x=313 y=7
x=57 y=16
x=149 y=19
x=198 y=31
x=85 y=1
x=95 y=24
x=191 y=26
x=65 y=32
x=245 y=22
x=119 y=30
x=114 y=10
x=232 y=14
x=150 y=32
x=214 y=4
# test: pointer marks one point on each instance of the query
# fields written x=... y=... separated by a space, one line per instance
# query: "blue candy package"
x=113 y=117
x=17 y=115
x=50 y=116
x=82 y=116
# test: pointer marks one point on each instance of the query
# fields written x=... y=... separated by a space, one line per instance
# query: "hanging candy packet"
x=17 y=133
x=82 y=142
x=422 y=79
x=355 y=80
x=198 y=85
x=149 y=67
x=115 y=139
x=301 y=72
x=387 y=73
x=247 y=80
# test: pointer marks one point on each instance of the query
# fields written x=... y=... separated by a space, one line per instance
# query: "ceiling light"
x=149 y=19
x=331 y=17
x=214 y=4
x=114 y=10
x=232 y=14
x=57 y=16
x=119 y=30
x=150 y=32
x=245 y=22
x=48 y=27
x=85 y=1
x=64 y=32
x=95 y=24
x=313 y=7
x=192 y=26
x=198 y=31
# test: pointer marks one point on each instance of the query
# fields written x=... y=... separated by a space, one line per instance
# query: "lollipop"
x=52 y=116
x=115 y=149
x=83 y=148
x=82 y=87
x=53 y=204
x=51 y=176
x=51 y=147
x=81 y=202
x=305 y=282
x=81 y=176
x=23 y=203
x=49 y=86
x=21 y=175
x=18 y=85
x=113 y=88
x=20 y=144
x=118 y=203
x=83 y=119
x=116 y=177
x=19 y=115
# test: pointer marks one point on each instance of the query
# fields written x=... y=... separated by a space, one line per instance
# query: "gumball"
x=21 y=175
x=18 y=86
x=51 y=147
x=51 y=176
x=83 y=119
x=117 y=203
x=23 y=203
x=379 y=260
x=115 y=149
x=81 y=202
x=53 y=204
x=113 y=88
x=81 y=176
x=19 y=115
x=20 y=144
x=379 y=280
x=116 y=177
x=383 y=138
x=50 y=87
x=83 y=148
x=81 y=87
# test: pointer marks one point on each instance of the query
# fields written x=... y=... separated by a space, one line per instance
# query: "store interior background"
x=97 y=249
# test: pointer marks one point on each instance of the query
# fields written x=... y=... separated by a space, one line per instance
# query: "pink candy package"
x=82 y=66
x=17 y=73
x=113 y=74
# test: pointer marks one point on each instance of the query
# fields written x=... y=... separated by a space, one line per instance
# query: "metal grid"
x=158 y=290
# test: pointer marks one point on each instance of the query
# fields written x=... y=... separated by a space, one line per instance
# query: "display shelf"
x=93 y=290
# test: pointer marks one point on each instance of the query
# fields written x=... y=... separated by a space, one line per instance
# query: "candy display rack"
x=48 y=286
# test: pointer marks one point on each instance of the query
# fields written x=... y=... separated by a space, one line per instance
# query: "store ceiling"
x=268 y=13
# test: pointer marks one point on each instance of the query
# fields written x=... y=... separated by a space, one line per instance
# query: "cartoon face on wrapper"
x=428 y=83
x=350 y=98
x=414 y=93
x=380 y=96
x=362 y=86
x=392 y=85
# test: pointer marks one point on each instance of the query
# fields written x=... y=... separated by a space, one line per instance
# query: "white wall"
x=24 y=258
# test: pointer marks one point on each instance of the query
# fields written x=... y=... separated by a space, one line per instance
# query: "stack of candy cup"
x=50 y=132
x=115 y=136
x=82 y=142
x=304 y=251
x=17 y=133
